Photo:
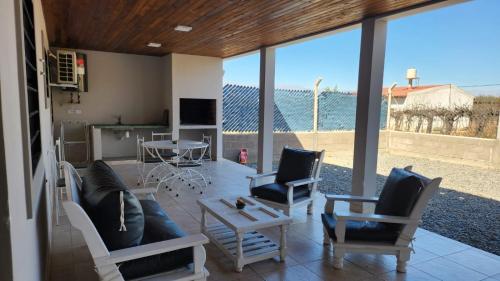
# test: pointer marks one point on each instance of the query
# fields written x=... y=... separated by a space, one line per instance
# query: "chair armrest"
x=143 y=190
x=263 y=175
x=343 y=216
x=302 y=182
x=152 y=249
x=351 y=198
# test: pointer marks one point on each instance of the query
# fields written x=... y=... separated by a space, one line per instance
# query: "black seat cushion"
x=295 y=164
x=158 y=228
x=399 y=194
x=277 y=192
x=361 y=231
x=101 y=200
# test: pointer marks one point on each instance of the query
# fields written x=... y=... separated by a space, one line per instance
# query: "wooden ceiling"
x=220 y=28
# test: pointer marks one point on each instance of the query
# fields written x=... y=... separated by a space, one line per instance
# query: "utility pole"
x=315 y=112
x=389 y=100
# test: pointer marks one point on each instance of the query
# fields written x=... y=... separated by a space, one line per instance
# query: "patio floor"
x=436 y=257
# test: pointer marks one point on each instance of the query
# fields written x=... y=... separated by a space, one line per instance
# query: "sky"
x=459 y=44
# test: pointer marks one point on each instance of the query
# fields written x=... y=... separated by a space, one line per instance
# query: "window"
x=31 y=83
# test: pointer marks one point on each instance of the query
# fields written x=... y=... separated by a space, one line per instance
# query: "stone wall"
x=338 y=142
x=465 y=150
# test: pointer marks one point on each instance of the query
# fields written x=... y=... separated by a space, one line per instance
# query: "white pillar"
x=266 y=110
x=371 y=73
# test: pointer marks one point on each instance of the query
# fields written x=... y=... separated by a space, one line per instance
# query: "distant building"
x=432 y=96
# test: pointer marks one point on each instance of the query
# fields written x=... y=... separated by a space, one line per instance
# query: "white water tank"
x=411 y=73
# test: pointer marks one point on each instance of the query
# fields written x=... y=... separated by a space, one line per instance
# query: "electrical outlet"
x=78 y=111
x=71 y=111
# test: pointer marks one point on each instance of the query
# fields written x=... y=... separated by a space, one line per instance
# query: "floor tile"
x=374 y=264
x=293 y=273
x=439 y=245
x=477 y=261
x=324 y=269
x=444 y=269
x=412 y=274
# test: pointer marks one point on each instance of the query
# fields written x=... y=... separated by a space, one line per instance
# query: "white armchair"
x=390 y=229
x=293 y=185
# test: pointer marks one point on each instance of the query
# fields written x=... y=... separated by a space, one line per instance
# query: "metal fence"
x=293 y=110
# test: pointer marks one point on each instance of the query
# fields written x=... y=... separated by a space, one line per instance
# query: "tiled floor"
x=435 y=258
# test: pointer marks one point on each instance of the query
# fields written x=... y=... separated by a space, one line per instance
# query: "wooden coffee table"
x=236 y=236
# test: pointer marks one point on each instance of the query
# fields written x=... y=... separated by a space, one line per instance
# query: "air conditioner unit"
x=66 y=67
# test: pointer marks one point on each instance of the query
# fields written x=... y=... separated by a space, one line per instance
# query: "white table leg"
x=239 y=252
x=203 y=220
x=283 y=228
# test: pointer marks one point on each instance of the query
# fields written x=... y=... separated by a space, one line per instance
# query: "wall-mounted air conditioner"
x=66 y=67
x=69 y=70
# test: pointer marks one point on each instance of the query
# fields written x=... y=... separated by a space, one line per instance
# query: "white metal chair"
x=293 y=185
x=390 y=229
x=207 y=154
x=106 y=261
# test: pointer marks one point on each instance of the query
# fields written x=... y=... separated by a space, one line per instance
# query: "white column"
x=266 y=110
x=371 y=73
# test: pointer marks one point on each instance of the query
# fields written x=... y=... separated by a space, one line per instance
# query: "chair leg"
x=287 y=211
x=326 y=237
x=310 y=207
x=403 y=257
x=338 y=259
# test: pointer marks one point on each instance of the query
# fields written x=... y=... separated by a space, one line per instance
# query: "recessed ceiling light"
x=154 y=45
x=183 y=28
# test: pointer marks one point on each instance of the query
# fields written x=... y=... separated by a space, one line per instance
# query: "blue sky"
x=459 y=44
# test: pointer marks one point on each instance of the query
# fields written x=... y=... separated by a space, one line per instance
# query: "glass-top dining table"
x=177 y=168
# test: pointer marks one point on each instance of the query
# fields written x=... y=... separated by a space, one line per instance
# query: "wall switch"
x=78 y=111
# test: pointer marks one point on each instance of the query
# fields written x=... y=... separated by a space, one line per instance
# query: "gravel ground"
x=466 y=208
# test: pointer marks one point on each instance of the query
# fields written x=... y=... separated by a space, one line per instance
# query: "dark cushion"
x=101 y=195
x=158 y=228
x=277 y=192
x=295 y=164
x=399 y=194
x=361 y=231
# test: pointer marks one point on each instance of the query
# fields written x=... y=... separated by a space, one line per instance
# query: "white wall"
x=28 y=236
x=447 y=96
x=197 y=77
x=119 y=84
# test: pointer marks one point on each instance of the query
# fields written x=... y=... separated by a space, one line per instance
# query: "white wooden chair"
x=290 y=203
x=106 y=261
x=402 y=244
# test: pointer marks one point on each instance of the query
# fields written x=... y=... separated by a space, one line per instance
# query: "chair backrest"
x=78 y=217
x=299 y=164
x=73 y=182
x=161 y=136
x=430 y=187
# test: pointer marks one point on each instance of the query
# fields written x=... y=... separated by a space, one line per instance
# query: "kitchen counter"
x=129 y=126
x=123 y=130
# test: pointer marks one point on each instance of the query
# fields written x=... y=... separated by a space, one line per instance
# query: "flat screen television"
x=198 y=111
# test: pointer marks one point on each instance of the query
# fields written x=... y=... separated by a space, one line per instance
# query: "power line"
x=483 y=85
